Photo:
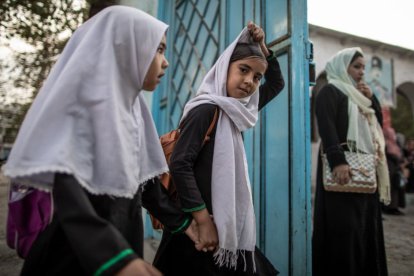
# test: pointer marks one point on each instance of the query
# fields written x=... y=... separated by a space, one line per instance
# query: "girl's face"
x=157 y=68
x=357 y=69
x=244 y=76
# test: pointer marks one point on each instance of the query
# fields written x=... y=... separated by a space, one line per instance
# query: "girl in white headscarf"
x=213 y=179
x=90 y=139
x=347 y=232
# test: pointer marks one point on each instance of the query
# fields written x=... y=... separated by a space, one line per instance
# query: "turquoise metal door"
x=194 y=40
x=278 y=148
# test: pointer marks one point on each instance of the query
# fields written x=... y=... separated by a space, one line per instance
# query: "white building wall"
x=328 y=42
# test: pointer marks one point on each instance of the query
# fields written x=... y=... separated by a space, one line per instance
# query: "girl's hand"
x=258 y=35
x=139 y=267
x=342 y=174
x=192 y=232
x=207 y=231
x=208 y=237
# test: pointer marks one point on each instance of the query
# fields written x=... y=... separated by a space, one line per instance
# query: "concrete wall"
x=327 y=42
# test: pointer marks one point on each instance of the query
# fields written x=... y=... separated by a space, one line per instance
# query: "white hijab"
x=363 y=127
x=230 y=185
x=90 y=119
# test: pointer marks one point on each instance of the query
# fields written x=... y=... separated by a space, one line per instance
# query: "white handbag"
x=363 y=168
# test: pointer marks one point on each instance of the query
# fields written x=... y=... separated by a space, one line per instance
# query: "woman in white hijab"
x=347 y=231
x=213 y=179
x=90 y=139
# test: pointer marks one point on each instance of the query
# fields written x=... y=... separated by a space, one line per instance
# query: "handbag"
x=363 y=169
x=30 y=211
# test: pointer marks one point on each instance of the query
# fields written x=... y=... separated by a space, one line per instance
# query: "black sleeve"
x=99 y=246
x=377 y=107
x=274 y=81
x=326 y=109
x=156 y=200
x=185 y=155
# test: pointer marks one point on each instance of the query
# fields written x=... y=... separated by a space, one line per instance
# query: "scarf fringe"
x=227 y=258
x=384 y=189
x=27 y=178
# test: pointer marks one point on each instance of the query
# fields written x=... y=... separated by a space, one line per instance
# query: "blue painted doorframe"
x=278 y=148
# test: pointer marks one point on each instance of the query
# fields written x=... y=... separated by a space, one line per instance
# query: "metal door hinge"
x=309 y=56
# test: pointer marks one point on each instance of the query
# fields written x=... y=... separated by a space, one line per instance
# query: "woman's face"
x=357 y=69
x=157 y=68
x=244 y=76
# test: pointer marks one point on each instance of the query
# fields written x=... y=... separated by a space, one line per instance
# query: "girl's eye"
x=160 y=50
x=243 y=70
x=257 y=78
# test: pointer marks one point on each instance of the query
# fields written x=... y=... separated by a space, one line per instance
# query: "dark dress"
x=347 y=230
x=397 y=190
x=96 y=235
x=409 y=155
x=191 y=168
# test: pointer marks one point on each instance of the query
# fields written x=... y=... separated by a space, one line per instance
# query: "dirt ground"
x=399 y=240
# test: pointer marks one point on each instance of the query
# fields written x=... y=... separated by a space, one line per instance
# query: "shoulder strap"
x=212 y=125
x=213 y=122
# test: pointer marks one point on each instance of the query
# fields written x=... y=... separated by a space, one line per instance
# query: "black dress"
x=347 y=228
x=409 y=155
x=96 y=235
x=397 y=190
x=191 y=167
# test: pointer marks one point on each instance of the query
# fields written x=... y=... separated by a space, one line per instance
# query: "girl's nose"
x=165 y=63
x=248 y=79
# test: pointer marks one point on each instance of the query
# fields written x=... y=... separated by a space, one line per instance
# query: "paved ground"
x=399 y=239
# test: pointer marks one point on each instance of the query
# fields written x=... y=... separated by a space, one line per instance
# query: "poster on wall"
x=379 y=75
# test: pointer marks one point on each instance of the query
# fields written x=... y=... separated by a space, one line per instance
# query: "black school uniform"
x=348 y=236
x=191 y=168
x=97 y=235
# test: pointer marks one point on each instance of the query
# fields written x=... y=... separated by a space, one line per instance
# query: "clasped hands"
x=203 y=231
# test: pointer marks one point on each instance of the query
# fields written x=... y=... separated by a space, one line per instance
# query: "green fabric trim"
x=185 y=223
x=194 y=209
x=114 y=260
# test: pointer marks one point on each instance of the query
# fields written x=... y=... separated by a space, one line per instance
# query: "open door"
x=278 y=148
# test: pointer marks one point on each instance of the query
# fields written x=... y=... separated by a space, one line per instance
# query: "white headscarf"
x=363 y=128
x=230 y=185
x=90 y=119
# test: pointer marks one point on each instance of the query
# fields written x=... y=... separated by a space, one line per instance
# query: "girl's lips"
x=160 y=77
x=244 y=90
